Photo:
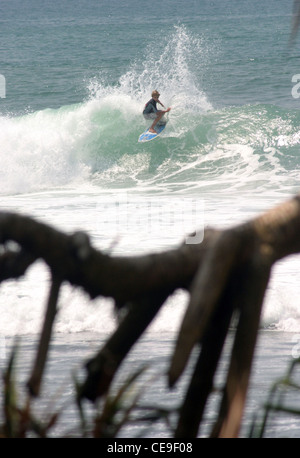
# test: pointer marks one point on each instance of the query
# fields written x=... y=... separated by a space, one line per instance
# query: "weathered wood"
x=34 y=383
x=227 y=273
x=74 y=260
x=13 y=264
x=250 y=297
x=202 y=380
x=206 y=289
x=102 y=368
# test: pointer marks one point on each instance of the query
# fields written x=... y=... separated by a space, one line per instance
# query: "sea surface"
x=74 y=77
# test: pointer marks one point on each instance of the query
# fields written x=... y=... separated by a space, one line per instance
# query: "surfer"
x=151 y=111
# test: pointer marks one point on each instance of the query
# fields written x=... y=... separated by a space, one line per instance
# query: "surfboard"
x=147 y=136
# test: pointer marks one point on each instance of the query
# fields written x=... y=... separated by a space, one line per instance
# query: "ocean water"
x=75 y=76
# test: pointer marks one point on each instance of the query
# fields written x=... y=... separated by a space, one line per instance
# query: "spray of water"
x=96 y=141
x=173 y=67
x=53 y=148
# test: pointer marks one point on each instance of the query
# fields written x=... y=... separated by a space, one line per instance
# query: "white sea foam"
x=70 y=165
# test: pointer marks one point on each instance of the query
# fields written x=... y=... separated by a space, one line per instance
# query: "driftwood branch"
x=34 y=382
x=74 y=260
x=226 y=274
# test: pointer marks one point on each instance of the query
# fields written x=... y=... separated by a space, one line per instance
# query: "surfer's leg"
x=158 y=117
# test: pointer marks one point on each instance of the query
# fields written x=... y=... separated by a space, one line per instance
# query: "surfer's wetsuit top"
x=150 y=109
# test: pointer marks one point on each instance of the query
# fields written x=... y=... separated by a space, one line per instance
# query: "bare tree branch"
x=226 y=274
x=34 y=382
x=73 y=259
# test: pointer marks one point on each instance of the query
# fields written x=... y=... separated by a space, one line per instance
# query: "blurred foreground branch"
x=226 y=274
